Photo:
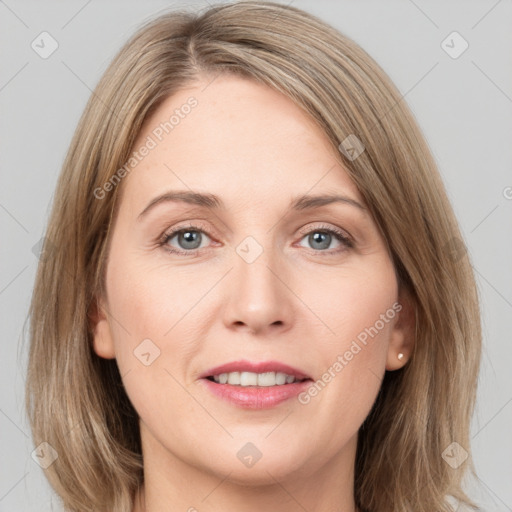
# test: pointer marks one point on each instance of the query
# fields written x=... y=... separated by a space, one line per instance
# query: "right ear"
x=103 y=342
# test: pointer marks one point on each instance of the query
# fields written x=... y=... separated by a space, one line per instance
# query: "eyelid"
x=191 y=225
x=326 y=227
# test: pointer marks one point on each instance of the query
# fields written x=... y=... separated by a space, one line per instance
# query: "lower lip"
x=255 y=397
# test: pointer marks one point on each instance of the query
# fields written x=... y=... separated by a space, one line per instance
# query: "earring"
x=400 y=356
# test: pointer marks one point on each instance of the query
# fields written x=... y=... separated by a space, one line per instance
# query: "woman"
x=254 y=299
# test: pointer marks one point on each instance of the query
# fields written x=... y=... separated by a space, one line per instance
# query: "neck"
x=141 y=504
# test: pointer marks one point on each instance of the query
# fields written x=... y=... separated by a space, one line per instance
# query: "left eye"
x=321 y=239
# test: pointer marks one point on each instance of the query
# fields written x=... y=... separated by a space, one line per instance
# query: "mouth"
x=255 y=385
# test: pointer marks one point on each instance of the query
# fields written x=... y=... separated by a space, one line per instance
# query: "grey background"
x=463 y=105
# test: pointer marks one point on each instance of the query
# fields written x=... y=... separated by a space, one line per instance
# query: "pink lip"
x=254 y=397
x=248 y=366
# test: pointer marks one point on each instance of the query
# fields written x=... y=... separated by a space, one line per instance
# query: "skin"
x=299 y=302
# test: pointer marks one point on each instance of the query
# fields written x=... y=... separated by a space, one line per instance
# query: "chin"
x=266 y=466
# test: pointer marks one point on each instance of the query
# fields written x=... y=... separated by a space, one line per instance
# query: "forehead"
x=237 y=139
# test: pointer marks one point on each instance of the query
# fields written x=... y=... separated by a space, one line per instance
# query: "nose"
x=260 y=300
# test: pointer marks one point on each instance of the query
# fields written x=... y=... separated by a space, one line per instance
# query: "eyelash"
x=338 y=235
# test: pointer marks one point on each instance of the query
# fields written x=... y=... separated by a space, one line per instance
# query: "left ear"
x=403 y=333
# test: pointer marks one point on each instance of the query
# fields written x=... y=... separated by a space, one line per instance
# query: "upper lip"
x=254 y=367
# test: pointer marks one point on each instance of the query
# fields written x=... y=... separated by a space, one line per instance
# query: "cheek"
x=358 y=313
x=152 y=336
x=158 y=315
x=353 y=303
x=150 y=297
x=367 y=319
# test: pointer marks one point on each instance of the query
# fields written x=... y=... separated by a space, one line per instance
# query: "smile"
x=245 y=379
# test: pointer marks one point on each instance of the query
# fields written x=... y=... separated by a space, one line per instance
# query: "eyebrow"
x=213 y=202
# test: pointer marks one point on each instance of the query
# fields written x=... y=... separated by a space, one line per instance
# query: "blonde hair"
x=76 y=400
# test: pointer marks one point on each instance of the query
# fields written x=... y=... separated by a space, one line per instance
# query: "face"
x=256 y=277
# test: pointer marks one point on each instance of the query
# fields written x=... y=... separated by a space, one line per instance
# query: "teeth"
x=265 y=379
x=234 y=378
x=281 y=378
